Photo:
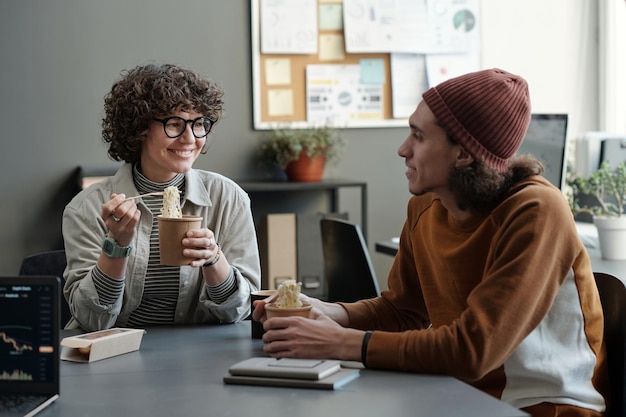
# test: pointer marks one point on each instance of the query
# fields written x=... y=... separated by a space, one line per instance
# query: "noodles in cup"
x=171 y=203
x=289 y=294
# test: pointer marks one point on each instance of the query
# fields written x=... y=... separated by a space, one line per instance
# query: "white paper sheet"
x=410 y=26
x=408 y=82
x=288 y=26
x=442 y=67
x=335 y=94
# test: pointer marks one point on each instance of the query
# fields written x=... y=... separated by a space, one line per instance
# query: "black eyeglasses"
x=175 y=126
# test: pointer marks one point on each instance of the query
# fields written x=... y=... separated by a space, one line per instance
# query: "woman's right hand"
x=121 y=217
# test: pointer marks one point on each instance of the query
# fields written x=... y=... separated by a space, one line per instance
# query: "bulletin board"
x=344 y=84
x=298 y=63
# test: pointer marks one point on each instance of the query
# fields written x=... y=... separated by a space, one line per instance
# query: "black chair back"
x=348 y=271
x=613 y=298
x=48 y=263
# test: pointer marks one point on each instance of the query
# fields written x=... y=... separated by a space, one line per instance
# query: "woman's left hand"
x=201 y=246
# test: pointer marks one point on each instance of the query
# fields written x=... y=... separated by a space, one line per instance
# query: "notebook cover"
x=335 y=381
x=286 y=368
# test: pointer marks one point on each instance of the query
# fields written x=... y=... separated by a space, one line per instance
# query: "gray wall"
x=60 y=57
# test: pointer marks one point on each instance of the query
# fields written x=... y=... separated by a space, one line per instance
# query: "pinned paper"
x=280 y=102
x=278 y=71
x=372 y=71
x=332 y=48
x=289 y=26
x=331 y=16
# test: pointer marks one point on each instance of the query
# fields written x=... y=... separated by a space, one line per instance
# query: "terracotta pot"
x=306 y=169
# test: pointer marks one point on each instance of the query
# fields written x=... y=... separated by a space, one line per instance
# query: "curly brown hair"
x=148 y=91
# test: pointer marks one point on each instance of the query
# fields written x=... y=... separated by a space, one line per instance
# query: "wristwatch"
x=112 y=249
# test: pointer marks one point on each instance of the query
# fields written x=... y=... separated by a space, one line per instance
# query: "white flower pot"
x=612 y=237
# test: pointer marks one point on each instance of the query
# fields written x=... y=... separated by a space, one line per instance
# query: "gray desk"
x=178 y=372
x=617 y=268
x=387 y=247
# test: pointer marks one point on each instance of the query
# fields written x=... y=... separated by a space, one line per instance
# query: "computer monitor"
x=613 y=151
x=592 y=148
x=546 y=139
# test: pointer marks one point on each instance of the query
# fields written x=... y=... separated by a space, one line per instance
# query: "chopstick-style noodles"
x=289 y=294
x=171 y=203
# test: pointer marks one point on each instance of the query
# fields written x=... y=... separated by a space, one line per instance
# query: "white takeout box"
x=101 y=344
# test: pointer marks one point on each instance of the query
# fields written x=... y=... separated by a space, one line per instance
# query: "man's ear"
x=463 y=158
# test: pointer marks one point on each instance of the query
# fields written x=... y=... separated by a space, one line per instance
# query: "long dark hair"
x=479 y=188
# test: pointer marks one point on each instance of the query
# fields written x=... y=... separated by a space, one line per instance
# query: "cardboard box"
x=277 y=246
x=94 y=346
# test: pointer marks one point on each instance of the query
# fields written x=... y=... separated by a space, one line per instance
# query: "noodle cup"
x=172 y=231
x=273 y=310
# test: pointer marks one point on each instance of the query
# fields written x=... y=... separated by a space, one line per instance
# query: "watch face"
x=107 y=247
x=113 y=250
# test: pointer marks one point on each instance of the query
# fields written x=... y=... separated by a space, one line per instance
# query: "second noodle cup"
x=172 y=231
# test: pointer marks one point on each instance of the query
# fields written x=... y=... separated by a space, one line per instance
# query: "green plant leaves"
x=285 y=145
x=607 y=185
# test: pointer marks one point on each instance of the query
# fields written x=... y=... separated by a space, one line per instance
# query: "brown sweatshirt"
x=505 y=301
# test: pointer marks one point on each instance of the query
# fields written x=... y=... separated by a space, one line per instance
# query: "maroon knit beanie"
x=487 y=112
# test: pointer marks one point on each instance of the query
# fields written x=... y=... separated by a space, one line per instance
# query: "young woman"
x=158 y=121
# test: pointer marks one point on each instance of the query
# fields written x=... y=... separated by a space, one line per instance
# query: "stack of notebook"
x=295 y=373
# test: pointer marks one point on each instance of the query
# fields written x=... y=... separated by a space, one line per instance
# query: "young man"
x=491 y=283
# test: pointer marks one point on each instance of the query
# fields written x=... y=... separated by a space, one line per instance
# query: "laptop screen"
x=29 y=334
x=546 y=139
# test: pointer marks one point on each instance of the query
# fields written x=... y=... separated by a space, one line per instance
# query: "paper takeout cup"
x=172 y=231
x=272 y=310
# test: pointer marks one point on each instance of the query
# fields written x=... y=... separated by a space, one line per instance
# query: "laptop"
x=546 y=139
x=348 y=269
x=29 y=344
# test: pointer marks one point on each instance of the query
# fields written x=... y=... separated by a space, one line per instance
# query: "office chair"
x=613 y=299
x=348 y=271
x=48 y=263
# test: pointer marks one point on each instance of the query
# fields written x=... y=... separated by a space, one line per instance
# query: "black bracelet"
x=366 y=340
x=217 y=257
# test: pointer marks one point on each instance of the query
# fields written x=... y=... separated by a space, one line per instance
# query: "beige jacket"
x=225 y=209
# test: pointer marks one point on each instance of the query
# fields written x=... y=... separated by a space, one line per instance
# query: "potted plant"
x=302 y=153
x=605 y=191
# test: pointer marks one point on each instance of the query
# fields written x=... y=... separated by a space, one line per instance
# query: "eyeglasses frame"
x=187 y=121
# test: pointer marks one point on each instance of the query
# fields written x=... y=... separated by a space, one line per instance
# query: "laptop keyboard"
x=19 y=403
